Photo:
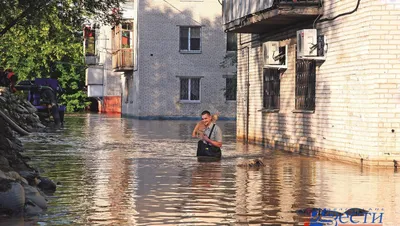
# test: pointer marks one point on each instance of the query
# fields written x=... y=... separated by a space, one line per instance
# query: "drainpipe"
x=247 y=85
x=248 y=94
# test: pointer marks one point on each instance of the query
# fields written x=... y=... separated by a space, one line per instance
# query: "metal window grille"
x=305 y=84
x=230 y=89
x=271 y=88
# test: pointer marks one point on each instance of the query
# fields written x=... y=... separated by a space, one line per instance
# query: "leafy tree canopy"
x=72 y=12
x=43 y=38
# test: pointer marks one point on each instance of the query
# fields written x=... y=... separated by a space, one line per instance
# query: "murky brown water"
x=117 y=171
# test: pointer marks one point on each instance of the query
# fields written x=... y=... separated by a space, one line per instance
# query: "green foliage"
x=43 y=38
x=73 y=13
x=230 y=60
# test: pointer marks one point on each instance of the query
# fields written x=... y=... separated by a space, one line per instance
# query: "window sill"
x=190 y=51
x=269 y=110
x=230 y=101
x=189 y=102
x=304 y=111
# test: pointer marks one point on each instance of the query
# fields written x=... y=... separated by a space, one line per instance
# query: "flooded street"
x=120 y=171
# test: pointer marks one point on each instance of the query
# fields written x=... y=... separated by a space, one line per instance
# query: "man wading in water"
x=211 y=140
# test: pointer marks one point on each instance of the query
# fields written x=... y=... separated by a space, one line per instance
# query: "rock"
x=31 y=209
x=20 y=109
x=2 y=175
x=30 y=176
x=33 y=195
x=12 y=197
x=4 y=163
x=15 y=176
x=47 y=185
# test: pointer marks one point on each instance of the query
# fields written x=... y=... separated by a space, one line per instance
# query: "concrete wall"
x=155 y=82
x=357 y=87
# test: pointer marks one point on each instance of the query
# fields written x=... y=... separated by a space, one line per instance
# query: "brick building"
x=340 y=98
x=167 y=57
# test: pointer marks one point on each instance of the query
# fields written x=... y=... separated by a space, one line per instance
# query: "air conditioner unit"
x=270 y=50
x=307 y=43
x=275 y=56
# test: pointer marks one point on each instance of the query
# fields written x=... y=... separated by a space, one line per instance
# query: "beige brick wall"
x=155 y=90
x=357 y=87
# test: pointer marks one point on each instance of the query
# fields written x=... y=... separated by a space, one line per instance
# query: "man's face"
x=206 y=118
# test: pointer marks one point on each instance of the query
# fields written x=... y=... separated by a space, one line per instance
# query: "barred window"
x=305 y=84
x=190 y=89
x=271 y=88
x=230 y=89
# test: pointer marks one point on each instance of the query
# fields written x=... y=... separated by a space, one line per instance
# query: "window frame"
x=90 y=41
x=189 y=89
x=275 y=82
x=189 y=50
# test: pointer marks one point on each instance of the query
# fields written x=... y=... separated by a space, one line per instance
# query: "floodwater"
x=120 y=171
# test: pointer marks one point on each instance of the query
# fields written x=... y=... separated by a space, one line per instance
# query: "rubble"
x=20 y=194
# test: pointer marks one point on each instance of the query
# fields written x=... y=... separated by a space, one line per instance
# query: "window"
x=189 y=39
x=90 y=38
x=231 y=41
x=305 y=84
x=127 y=80
x=272 y=84
x=190 y=89
x=122 y=36
x=230 y=89
x=126 y=33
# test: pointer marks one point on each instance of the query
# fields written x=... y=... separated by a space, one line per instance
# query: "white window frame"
x=189 y=87
x=188 y=40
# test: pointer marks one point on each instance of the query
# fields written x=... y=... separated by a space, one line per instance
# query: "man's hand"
x=206 y=139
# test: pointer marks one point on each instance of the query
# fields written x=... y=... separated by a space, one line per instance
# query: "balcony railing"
x=123 y=60
x=249 y=16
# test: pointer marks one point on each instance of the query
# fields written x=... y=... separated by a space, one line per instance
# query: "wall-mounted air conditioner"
x=270 y=49
x=274 y=56
x=310 y=45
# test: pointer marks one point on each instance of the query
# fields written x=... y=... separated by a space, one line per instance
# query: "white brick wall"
x=357 y=87
x=155 y=90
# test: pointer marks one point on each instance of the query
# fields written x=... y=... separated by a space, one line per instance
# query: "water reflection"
x=131 y=172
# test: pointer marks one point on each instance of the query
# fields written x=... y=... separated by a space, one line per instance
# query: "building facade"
x=167 y=56
x=321 y=79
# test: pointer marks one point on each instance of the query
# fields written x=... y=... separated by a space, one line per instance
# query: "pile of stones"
x=23 y=191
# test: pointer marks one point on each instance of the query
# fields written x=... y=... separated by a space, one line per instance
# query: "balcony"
x=122 y=39
x=122 y=60
x=248 y=16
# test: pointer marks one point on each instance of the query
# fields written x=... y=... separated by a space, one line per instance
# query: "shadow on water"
x=133 y=172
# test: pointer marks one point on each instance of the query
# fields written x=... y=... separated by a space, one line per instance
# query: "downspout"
x=248 y=94
x=247 y=87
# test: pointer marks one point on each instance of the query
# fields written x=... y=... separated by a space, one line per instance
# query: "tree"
x=72 y=12
x=44 y=39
